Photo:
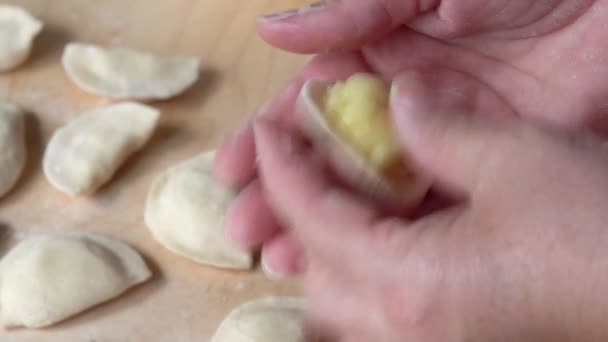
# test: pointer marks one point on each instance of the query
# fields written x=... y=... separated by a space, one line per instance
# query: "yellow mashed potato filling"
x=358 y=111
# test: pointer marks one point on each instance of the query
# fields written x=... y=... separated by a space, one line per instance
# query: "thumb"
x=335 y=226
x=338 y=24
x=459 y=150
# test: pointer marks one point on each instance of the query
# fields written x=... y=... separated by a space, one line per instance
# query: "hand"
x=523 y=258
x=482 y=59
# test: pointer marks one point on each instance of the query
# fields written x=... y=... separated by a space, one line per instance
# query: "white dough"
x=128 y=74
x=12 y=146
x=48 y=278
x=17 y=32
x=85 y=153
x=185 y=212
x=272 y=319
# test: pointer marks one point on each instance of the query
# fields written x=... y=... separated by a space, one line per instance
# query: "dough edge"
x=156 y=187
x=138 y=268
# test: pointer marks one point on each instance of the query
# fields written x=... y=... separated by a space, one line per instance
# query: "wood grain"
x=185 y=301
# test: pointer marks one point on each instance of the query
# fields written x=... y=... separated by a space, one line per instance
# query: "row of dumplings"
x=50 y=277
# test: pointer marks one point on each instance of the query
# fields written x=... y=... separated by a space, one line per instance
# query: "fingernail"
x=234 y=137
x=243 y=129
x=293 y=12
x=271 y=274
x=299 y=266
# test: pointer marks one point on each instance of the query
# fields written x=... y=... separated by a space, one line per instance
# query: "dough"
x=85 y=154
x=17 y=32
x=12 y=146
x=48 y=278
x=124 y=73
x=272 y=319
x=185 y=213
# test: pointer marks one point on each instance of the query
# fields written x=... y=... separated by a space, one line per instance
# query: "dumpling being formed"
x=84 y=154
x=48 y=278
x=123 y=73
x=185 y=212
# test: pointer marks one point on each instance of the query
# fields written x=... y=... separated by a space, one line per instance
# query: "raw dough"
x=272 y=319
x=85 y=154
x=12 y=146
x=17 y=32
x=185 y=213
x=48 y=278
x=124 y=73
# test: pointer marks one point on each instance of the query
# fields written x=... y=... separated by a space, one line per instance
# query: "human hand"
x=522 y=258
x=481 y=59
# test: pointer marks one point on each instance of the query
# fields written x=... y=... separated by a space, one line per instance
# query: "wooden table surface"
x=184 y=301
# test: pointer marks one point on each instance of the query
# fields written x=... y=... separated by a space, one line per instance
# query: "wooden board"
x=185 y=301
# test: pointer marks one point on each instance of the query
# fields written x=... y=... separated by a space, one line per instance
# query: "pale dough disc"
x=13 y=151
x=185 y=212
x=271 y=319
x=48 y=278
x=84 y=154
x=128 y=74
x=18 y=29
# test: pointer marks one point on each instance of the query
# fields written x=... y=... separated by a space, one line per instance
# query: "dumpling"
x=12 y=146
x=18 y=29
x=85 y=153
x=128 y=74
x=185 y=212
x=48 y=278
x=271 y=319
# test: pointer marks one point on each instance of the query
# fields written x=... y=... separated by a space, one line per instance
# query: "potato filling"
x=358 y=111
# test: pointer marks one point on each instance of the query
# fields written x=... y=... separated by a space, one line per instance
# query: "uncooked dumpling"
x=85 y=154
x=12 y=146
x=128 y=74
x=272 y=319
x=17 y=32
x=48 y=278
x=185 y=212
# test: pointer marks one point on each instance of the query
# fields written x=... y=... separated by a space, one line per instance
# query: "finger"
x=320 y=215
x=234 y=163
x=339 y=228
x=338 y=24
x=249 y=220
x=235 y=159
x=456 y=149
x=408 y=280
x=342 y=232
x=282 y=257
x=510 y=19
x=461 y=87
